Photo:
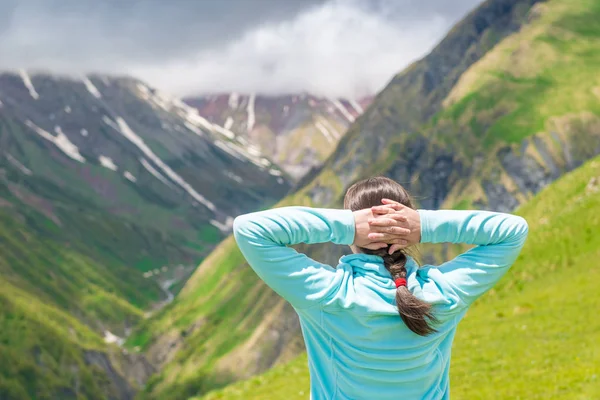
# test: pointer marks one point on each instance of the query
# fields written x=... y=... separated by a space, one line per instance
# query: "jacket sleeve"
x=263 y=238
x=498 y=238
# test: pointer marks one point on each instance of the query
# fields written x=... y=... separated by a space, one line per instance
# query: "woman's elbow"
x=521 y=226
x=240 y=224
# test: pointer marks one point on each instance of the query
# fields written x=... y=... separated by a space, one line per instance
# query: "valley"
x=120 y=280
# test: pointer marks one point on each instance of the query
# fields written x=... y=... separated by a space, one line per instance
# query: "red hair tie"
x=400 y=282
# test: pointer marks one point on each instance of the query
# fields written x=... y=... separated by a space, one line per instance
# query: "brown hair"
x=367 y=193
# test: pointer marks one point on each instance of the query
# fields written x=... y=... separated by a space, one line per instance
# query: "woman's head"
x=367 y=193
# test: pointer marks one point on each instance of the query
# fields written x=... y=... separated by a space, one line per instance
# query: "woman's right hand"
x=390 y=216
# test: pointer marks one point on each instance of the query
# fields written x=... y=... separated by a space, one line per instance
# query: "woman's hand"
x=368 y=236
x=387 y=221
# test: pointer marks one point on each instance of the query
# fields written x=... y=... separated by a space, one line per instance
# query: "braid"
x=395 y=263
x=367 y=193
x=415 y=312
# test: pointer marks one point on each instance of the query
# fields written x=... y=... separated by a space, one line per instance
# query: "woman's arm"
x=499 y=238
x=263 y=238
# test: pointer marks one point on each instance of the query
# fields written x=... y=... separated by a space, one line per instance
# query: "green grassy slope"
x=499 y=127
x=93 y=283
x=127 y=222
x=52 y=341
x=59 y=293
x=534 y=336
x=43 y=288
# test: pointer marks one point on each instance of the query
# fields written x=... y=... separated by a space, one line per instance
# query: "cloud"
x=344 y=48
x=96 y=35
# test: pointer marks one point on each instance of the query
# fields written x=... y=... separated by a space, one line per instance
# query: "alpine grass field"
x=536 y=334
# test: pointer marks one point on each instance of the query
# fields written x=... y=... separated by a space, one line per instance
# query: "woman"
x=358 y=346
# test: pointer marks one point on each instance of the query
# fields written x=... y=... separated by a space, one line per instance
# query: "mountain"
x=110 y=193
x=503 y=106
x=297 y=131
x=541 y=312
x=127 y=148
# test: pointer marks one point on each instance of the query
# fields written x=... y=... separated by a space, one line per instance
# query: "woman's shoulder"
x=429 y=284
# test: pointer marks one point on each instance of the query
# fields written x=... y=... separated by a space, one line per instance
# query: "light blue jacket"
x=358 y=347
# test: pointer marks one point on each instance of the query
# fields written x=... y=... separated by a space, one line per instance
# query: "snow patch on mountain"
x=193 y=121
x=234 y=100
x=253 y=150
x=154 y=172
x=107 y=162
x=342 y=109
x=225 y=132
x=28 y=84
x=228 y=123
x=91 y=88
x=251 y=115
x=18 y=164
x=223 y=227
x=60 y=140
x=330 y=128
x=130 y=135
x=128 y=175
x=230 y=149
x=243 y=154
x=143 y=91
x=192 y=128
x=192 y=116
x=356 y=106
x=324 y=131
x=109 y=337
x=110 y=122
x=233 y=176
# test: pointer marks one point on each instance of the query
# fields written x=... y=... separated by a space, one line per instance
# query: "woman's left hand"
x=389 y=219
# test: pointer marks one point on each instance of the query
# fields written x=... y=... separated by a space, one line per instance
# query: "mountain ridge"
x=297 y=131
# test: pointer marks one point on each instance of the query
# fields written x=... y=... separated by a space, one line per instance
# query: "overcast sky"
x=342 y=48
